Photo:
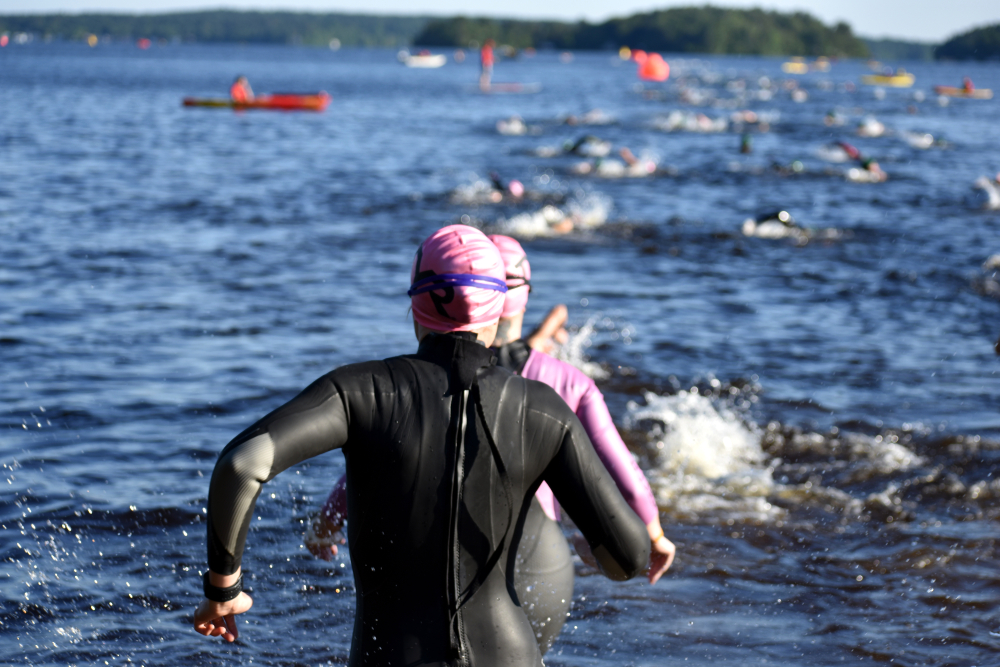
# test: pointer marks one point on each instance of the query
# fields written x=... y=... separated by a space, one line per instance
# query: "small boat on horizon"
x=423 y=60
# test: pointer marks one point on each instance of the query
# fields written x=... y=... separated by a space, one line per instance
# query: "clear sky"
x=926 y=20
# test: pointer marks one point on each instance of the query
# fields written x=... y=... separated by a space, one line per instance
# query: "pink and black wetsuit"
x=586 y=400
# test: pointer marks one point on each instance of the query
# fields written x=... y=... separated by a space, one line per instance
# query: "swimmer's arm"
x=596 y=420
x=313 y=422
x=322 y=537
x=594 y=415
x=310 y=424
x=551 y=328
x=617 y=537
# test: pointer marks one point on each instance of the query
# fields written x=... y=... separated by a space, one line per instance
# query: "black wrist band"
x=216 y=594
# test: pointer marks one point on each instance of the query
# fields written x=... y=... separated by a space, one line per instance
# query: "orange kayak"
x=283 y=101
x=955 y=91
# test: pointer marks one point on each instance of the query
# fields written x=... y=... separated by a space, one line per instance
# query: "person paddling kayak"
x=240 y=91
x=444 y=452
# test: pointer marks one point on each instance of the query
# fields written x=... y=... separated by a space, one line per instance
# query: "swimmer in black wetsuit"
x=513 y=189
x=543 y=572
x=444 y=453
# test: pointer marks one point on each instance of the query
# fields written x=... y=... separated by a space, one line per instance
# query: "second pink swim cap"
x=458 y=280
x=518 y=274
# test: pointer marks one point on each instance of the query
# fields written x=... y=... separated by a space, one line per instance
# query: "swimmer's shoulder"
x=568 y=381
x=378 y=376
x=544 y=405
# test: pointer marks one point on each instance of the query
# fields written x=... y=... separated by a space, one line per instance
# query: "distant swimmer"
x=637 y=167
x=849 y=150
x=792 y=169
x=746 y=144
x=833 y=118
x=590 y=146
x=543 y=569
x=774 y=225
x=486 y=60
x=780 y=225
x=586 y=146
x=840 y=151
x=547 y=221
x=592 y=117
x=444 y=451
x=512 y=189
x=241 y=91
x=870 y=172
x=512 y=127
x=871 y=127
x=493 y=189
x=629 y=166
x=918 y=140
x=579 y=214
x=986 y=193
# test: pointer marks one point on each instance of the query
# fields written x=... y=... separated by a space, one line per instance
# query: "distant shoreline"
x=687 y=30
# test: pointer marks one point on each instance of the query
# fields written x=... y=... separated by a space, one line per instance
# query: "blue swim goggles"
x=445 y=280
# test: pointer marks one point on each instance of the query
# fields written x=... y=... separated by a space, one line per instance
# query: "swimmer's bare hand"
x=551 y=329
x=218 y=619
x=323 y=536
x=661 y=557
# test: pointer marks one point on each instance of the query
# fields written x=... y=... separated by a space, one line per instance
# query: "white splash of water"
x=573 y=351
x=590 y=210
x=707 y=461
x=580 y=214
x=695 y=436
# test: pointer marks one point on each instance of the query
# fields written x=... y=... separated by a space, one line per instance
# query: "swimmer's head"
x=516 y=188
x=518 y=272
x=457 y=281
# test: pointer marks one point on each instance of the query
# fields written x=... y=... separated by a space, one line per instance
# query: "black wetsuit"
x=444 y=453
x=543 y=572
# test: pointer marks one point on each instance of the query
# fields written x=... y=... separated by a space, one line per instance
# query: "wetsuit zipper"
x=454 y=574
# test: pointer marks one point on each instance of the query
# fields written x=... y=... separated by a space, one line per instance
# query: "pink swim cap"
x=457 y=280
x=518 y=274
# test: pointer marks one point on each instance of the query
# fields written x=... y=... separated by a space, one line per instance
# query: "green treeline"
x=225 y=26
x=978 y=44
x=894 y=49
x=680 y=30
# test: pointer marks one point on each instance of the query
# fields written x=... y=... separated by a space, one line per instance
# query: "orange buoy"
x=653 y=68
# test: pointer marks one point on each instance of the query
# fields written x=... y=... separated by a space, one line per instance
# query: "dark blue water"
x=819 y=420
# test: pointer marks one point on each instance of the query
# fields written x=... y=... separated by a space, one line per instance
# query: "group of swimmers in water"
x=461 y=459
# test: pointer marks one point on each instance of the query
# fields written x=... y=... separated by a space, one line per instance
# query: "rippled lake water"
x=817 y=414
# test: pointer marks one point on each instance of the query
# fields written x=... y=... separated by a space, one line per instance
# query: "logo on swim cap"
x=458 y=280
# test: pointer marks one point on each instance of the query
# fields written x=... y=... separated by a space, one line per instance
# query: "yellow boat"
x=795 y=66
x=901 y=79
